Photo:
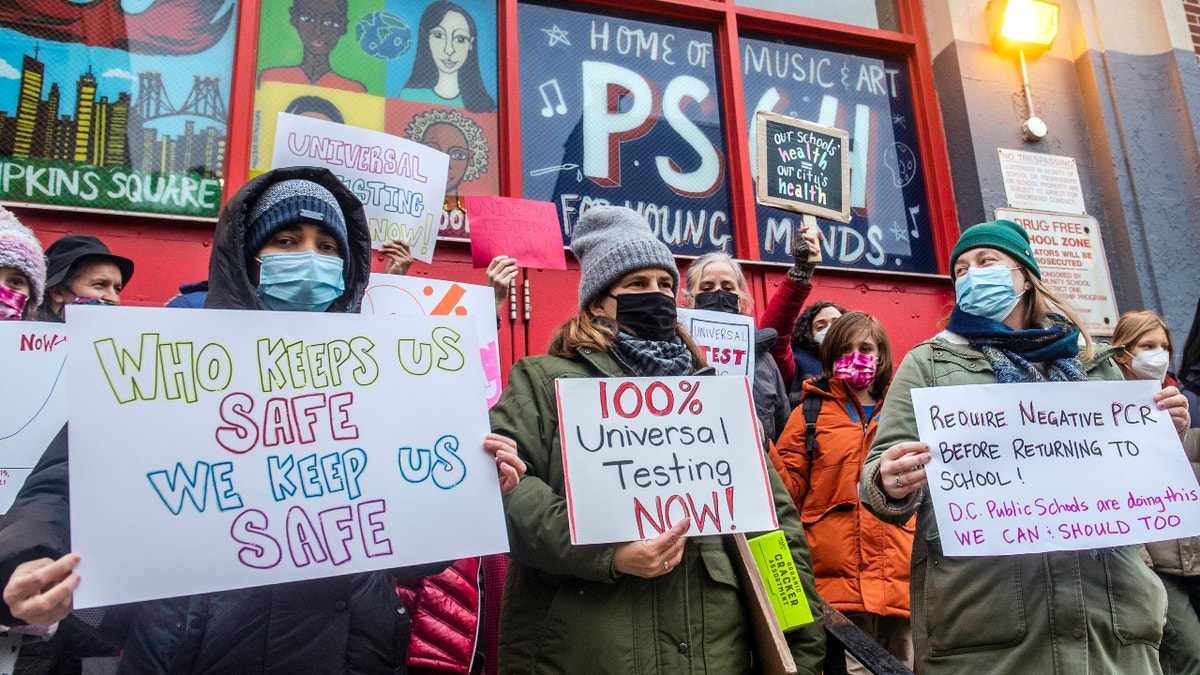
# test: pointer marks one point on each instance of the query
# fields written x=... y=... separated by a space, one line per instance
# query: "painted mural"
x=618 y=111
x=118 y=105
x=870 y=98
x=425 y=71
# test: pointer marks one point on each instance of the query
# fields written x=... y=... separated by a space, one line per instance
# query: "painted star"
x=557 y=35
x=899 y=119
x=900 y=233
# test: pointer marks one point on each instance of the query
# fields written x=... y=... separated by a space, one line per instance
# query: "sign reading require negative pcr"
x=641 y=454
x=1036 y=467
x=229 y=451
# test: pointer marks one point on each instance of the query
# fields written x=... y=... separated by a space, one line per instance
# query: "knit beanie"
x=612 y=241
x=20 y=248
x=290 y=202
x=1003 y=235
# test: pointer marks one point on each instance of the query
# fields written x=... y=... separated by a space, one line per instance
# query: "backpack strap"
x=811 y=405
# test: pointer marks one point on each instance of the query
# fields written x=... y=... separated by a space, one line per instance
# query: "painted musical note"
x=912 y=212
x=550 y=109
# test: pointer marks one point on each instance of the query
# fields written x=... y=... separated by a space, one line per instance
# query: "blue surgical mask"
x=987 y=292
x=300 y=282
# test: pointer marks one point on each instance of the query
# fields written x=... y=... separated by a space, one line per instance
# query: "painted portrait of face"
x=450 y=42
x=320 y=23
x=450 y=140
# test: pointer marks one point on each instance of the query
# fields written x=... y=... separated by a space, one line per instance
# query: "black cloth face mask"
x=649 y=316
x=719 y=301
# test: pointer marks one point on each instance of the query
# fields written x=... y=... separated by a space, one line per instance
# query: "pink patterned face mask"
x=12 y=304
x=855 y=369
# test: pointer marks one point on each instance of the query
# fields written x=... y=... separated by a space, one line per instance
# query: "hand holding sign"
x=655 y=557
x=522 y=228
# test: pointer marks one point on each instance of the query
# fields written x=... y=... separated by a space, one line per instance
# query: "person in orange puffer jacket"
x=861 y=564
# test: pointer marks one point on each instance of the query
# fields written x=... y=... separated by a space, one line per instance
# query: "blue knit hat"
x=291 y=202
x=1003 y=235
x=612 y=241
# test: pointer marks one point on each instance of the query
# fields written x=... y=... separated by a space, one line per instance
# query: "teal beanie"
x=1002 y=235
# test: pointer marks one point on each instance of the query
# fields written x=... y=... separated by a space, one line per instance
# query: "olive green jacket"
x=1180 y=557
x=1067 y=612
x=566 y=610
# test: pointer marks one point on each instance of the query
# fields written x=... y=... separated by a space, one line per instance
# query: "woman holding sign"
x=1145 y=351
x=667 y=604
x=292 y=239
x=1098 y=611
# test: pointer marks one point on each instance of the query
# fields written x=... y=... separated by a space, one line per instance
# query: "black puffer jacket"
x=348 y=624
x=770 y=396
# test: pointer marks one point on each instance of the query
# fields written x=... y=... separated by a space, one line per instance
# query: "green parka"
x=1066 y=612
x=565 y=608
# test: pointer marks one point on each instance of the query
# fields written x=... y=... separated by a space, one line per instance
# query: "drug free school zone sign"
x=217 y=450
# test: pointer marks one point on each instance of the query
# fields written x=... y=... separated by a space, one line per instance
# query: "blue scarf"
x=1012 y=353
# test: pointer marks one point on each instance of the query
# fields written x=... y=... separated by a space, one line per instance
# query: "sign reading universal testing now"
x=215 y=450
x=641 y=454
x=1030 y=468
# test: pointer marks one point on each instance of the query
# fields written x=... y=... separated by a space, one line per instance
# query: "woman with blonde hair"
x=1097 y=611
x=1145 y=351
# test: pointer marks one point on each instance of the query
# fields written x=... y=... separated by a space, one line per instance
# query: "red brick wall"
x=1192 y=9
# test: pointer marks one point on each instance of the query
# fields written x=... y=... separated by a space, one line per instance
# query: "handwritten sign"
x=1070 y=252
x=1030 y=468
x=641 y=454
x=416 y=296
x=32 y=358
x=802 y=167
x=519 y=228
x=727 y=340
x=401 y=183
x=1041 y=182
x=217 y=450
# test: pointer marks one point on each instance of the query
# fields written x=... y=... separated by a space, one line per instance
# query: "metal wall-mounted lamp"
x=1027 y=27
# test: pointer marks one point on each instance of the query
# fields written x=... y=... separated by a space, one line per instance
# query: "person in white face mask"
x=1145 y=344
x=1145 y=352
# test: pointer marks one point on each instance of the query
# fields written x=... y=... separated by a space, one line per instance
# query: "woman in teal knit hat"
x=1098 y=611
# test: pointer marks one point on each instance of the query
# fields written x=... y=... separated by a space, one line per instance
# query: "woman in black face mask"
x=663 y=605
x=715 y=282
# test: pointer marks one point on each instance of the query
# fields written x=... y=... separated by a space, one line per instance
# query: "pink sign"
x=519 y=228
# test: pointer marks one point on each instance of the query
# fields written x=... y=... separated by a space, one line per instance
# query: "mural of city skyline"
x=115 y=133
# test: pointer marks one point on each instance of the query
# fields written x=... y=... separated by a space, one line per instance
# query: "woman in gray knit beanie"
x=662 y=605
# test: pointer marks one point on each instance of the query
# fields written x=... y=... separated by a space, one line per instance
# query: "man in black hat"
x=81 y=270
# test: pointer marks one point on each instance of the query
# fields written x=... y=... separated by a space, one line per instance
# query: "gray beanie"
x=293 y=201
x=612 y=241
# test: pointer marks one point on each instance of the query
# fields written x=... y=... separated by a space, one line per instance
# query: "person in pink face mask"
x=860 y=563
x=22 y=269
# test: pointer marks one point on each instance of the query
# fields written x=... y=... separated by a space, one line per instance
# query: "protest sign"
x=1036 y=467
x=401 y=183
x=803 y=167
x=32 y=358
x=416 y=296
x=641 y=454
x=727 y=340
x=524 y=229
x=218 y=450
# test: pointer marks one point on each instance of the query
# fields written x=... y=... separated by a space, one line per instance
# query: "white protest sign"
x=401 y=183
x=1035 y=180
x=641 y=454
x=1070 y=253
x=32 y=358
x=225 y=449
x=1036 y=467
x=417 y=296
x=727 y=340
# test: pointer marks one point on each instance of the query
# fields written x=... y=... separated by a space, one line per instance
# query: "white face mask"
x=819 y=336
x=1150 y=364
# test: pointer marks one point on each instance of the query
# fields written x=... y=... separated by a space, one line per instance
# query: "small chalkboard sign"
x=803 y=167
